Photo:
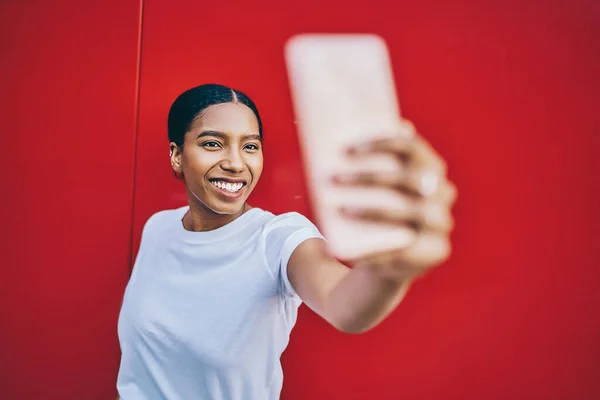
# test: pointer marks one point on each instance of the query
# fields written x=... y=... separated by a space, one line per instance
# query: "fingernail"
x=351 y=151
x=428 y=184
x=361 y=148
x=350 y=211
x=343 y=178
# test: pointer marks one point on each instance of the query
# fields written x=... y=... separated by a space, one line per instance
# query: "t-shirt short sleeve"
x=283 y=234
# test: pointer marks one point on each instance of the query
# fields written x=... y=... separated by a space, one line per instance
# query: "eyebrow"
x=223 y=136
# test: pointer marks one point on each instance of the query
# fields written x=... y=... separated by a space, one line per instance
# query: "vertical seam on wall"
x=138 y=85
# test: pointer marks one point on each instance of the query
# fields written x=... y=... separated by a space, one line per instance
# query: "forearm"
x=362 y=299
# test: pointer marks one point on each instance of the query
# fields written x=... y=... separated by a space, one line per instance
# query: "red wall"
x=507 y=91
x=68 y=74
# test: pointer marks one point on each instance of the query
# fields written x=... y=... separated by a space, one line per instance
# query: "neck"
x=200 y=218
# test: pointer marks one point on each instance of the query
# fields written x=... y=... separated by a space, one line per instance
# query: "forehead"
x=231 y=118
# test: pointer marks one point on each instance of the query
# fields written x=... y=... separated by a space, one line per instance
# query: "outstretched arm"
x=355 y=300
x=352 y=300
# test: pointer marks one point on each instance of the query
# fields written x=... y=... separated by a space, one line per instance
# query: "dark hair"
x=190 y=104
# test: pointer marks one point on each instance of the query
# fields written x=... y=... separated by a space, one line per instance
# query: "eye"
x=251 y=147
x=211 y=145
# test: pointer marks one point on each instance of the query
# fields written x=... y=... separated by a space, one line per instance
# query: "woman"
x=216 y=285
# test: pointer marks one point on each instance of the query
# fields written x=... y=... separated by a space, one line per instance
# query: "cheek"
x=255 y=164
x=198 y=163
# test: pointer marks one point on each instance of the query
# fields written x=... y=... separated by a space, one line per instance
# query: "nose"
x=234 y=162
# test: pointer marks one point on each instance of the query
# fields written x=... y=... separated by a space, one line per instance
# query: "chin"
x=224 y=207
x=228 y=209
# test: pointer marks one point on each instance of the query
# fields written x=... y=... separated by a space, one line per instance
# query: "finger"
x=400 y=216
x=415 y=151
x=401 y=181
x=418 y=183
x=400 y=146
x=408 y=127
x=447 y=193
x=420 y=216
x=436 y=217
x=428 y=251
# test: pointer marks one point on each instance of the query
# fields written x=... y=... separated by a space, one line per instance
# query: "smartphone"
x=343 y=94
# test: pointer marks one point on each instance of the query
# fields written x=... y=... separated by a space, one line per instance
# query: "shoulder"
x=289 y=220
x=163 y=219
x=289 y=228
x=282 y=234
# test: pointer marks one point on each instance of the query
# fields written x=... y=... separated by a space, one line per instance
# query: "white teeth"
x=230 y=187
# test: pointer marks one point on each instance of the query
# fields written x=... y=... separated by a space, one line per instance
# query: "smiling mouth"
x=231 y=187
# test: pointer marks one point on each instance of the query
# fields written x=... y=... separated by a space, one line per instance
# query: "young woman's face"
x=222 y=157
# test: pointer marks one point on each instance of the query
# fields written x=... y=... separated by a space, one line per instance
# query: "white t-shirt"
x=207 y=315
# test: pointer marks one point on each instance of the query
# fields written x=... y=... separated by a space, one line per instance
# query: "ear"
x=175 y=154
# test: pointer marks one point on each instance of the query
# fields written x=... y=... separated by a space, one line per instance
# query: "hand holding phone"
x=344 y=95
